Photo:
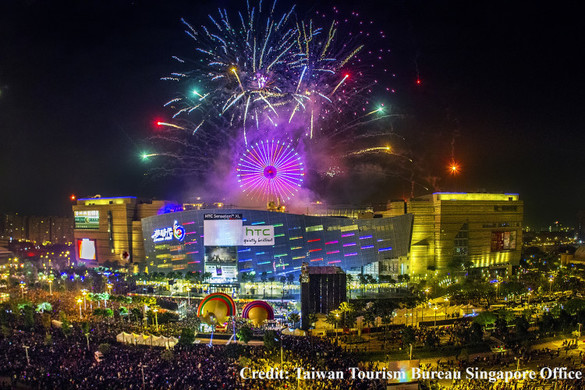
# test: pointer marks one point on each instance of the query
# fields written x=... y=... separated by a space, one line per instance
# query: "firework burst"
x=270 y=170
x=263 y=74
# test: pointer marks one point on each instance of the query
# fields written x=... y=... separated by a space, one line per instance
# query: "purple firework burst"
x=270 y=170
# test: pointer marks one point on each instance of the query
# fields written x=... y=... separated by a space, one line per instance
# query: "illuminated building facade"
x=451 y=229
x=109 y=229
x=176 y=242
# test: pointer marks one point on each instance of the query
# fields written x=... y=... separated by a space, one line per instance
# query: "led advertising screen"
x=221 y=255
x=222 y=229
x=86 y=249
x=87 y=219
x=502 y=241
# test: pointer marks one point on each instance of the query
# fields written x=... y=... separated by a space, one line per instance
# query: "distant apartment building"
x=36 y=229
x=110 y=229
x=454 y=229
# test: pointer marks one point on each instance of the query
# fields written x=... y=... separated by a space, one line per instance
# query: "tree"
x=294 y=318
x=104 y=348
x=65 y=324
x=245 y=334
x=271 y=279
x=28 y=316
x=264 y=278
x=187 y=336
x=42 y=307
x=369 y=318
x=522 y=326
x=502 y=328
x=476 y=333
x=333 y=318
x=408 y=336
x=271 y=340
x=547 y=324
x=312 y=317
x=485 y=318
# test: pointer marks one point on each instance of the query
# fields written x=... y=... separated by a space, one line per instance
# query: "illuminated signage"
x=258 y=235
x=168 y=233
x=222 y=229
x=86 y=249
x=87 y=219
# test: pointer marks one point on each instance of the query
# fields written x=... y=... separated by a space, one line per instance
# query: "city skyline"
x=80 y=89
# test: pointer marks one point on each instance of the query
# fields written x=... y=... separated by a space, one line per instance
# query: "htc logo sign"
x=258 y=232
x=258 y=236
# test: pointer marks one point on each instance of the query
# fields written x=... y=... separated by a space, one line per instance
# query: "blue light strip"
x=385 y=249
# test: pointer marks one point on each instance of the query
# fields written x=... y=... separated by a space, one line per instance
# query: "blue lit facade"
x=320 y=241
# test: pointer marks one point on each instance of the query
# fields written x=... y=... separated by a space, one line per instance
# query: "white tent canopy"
x=143 y=339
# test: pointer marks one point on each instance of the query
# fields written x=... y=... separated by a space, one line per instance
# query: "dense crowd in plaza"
x=67 y=363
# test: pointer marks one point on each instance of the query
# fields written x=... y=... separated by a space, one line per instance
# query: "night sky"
x=80 y=87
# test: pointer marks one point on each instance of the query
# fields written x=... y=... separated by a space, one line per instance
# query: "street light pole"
x=155 y=310
x=84 y=293
x=142 y=368
x=26 y=347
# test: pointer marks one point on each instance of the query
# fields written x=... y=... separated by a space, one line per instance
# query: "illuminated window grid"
x=349 y=228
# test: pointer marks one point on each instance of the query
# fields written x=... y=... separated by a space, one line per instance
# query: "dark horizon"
x=80 y=87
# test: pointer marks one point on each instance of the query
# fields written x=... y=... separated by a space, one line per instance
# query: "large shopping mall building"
x=432 y=233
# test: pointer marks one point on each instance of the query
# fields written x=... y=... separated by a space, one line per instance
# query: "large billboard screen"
x=87 y=219
x=503 y=241
x=222 y=229
x=86 y=249
x=221 y=255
